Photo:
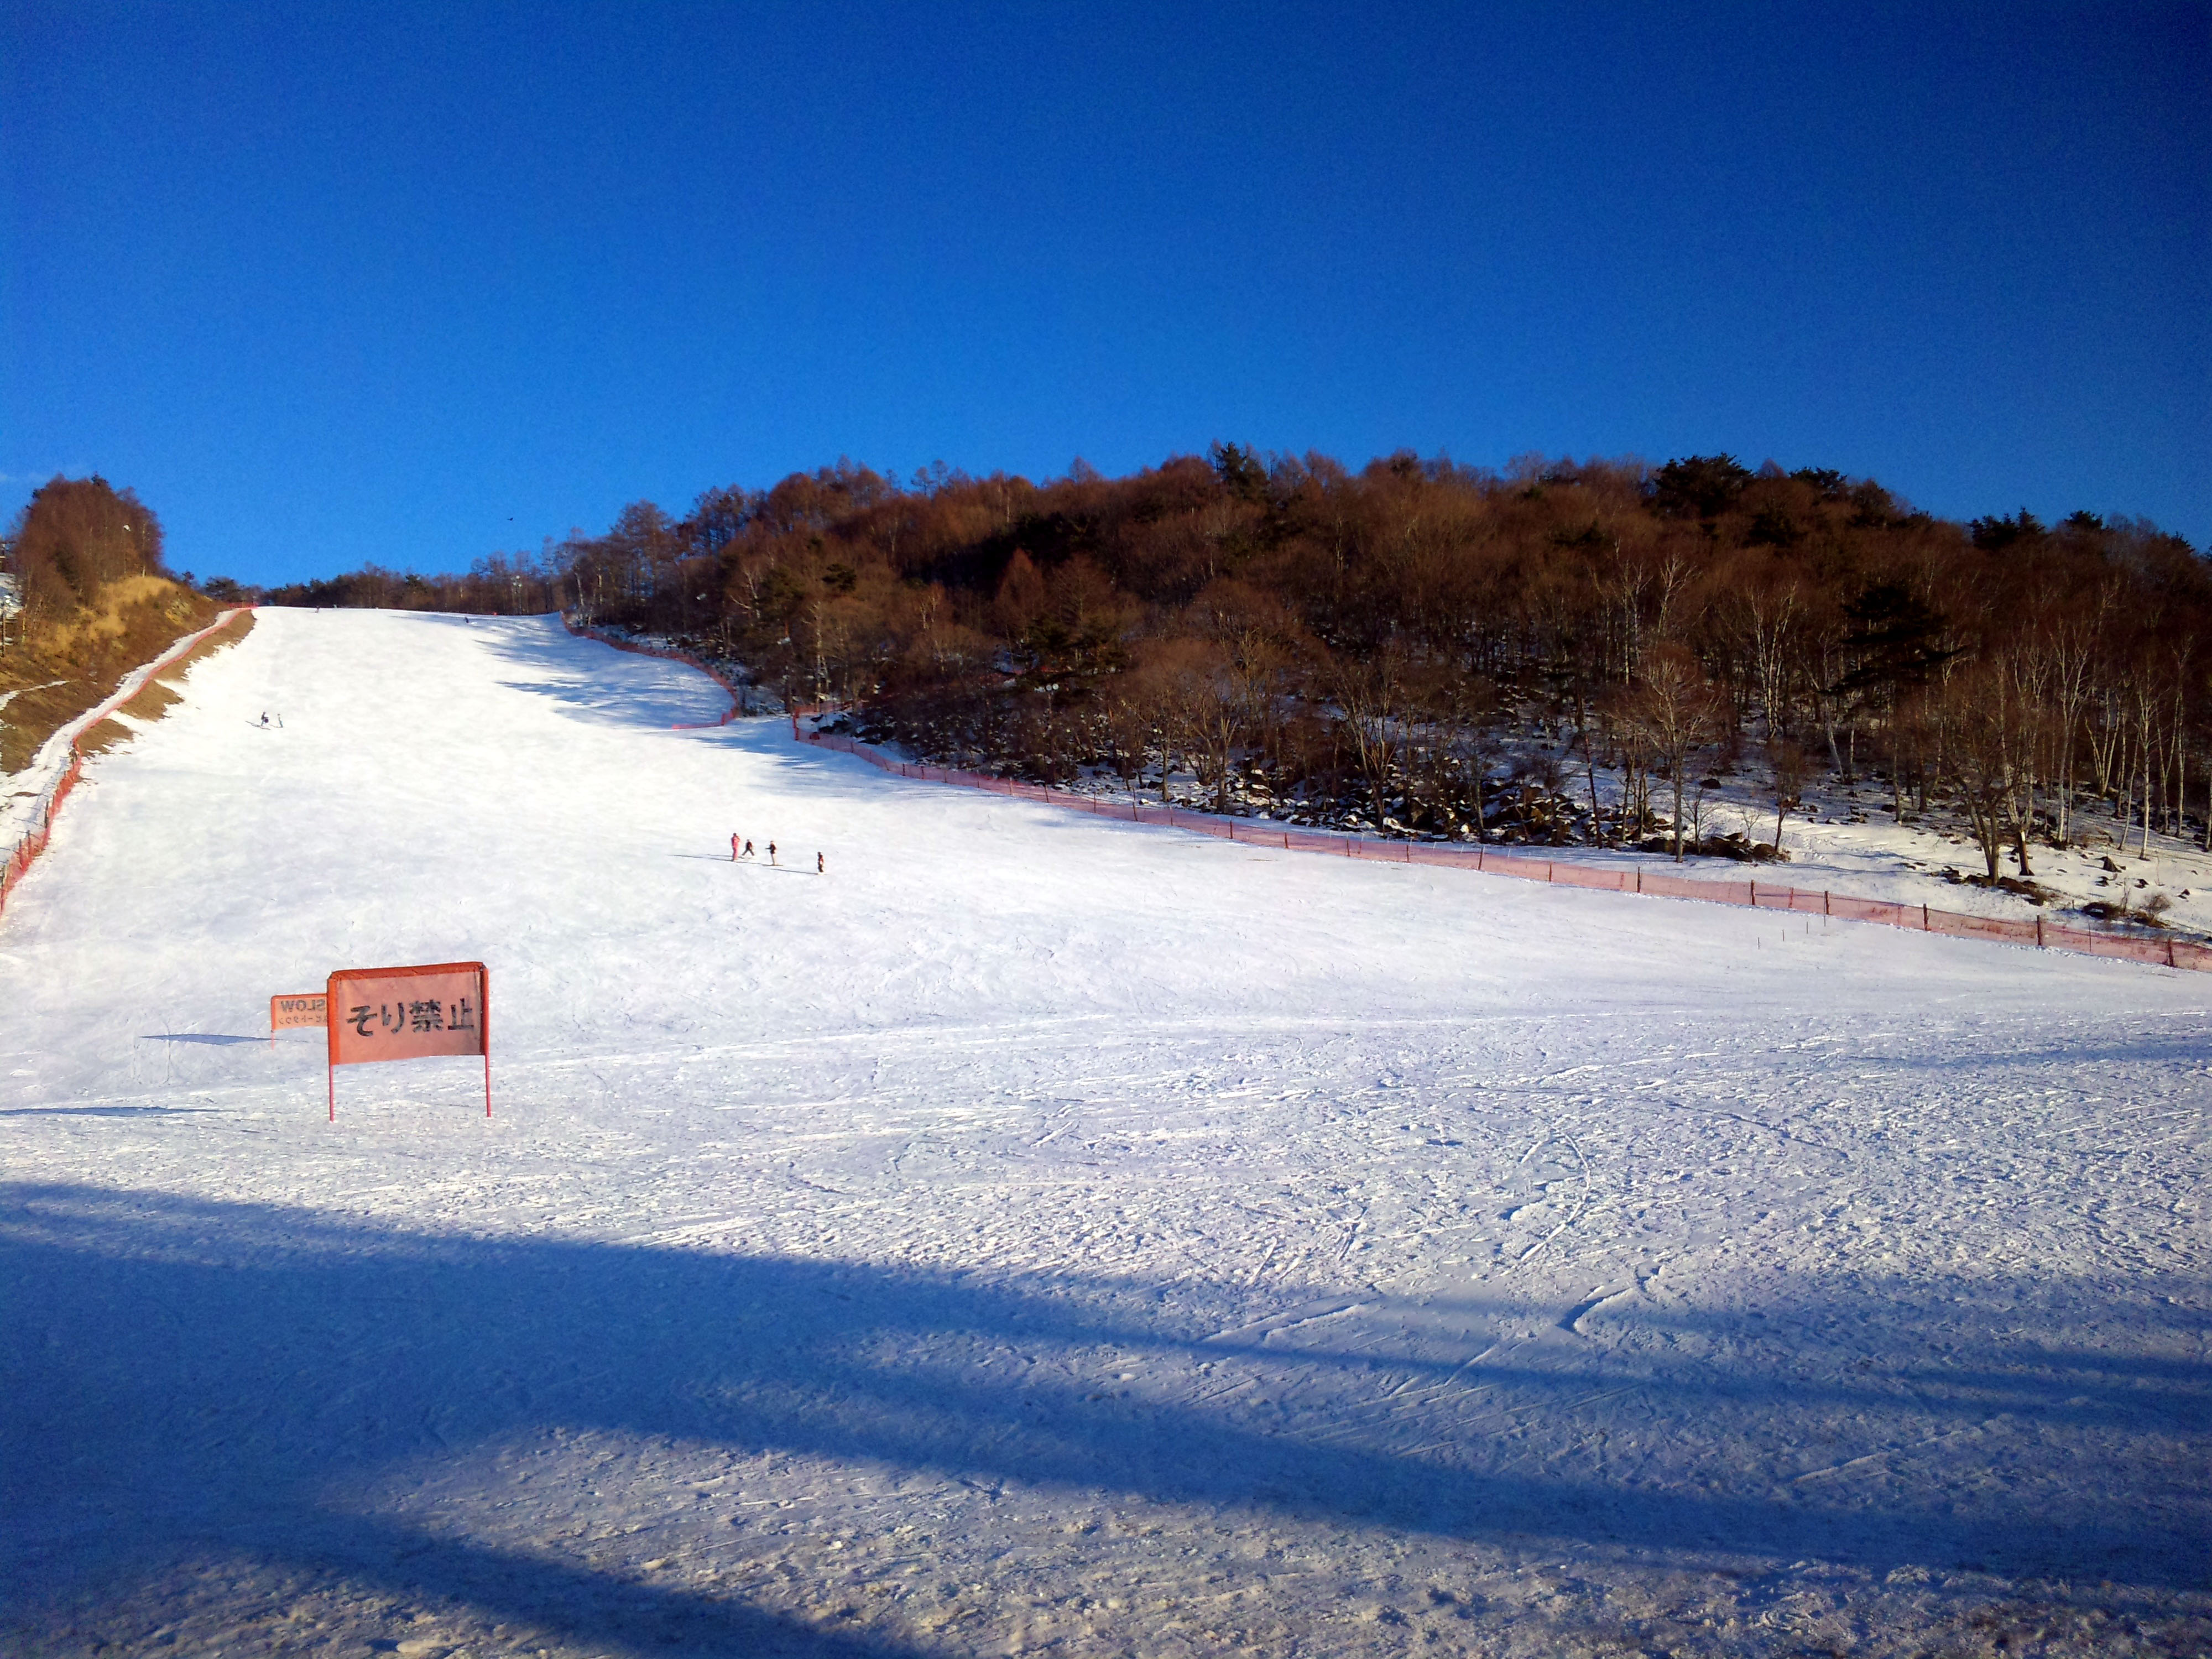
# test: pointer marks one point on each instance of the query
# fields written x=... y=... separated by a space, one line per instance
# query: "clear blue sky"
x=412 y=285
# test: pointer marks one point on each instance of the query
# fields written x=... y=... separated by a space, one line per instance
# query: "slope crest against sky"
x=412 y=283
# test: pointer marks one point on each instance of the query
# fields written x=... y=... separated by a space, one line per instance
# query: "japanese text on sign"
x=402 y=1013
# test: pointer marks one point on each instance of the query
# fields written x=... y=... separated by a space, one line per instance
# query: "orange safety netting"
x=1753 y=894
x=32 y=842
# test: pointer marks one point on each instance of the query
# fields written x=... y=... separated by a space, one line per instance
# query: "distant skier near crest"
x=820 y=869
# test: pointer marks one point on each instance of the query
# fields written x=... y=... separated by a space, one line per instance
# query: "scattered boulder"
x=2099 y=910
x=1738 y=846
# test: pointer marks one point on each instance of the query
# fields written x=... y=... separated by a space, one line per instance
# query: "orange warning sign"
x=404 y=1013
x=305 y=1009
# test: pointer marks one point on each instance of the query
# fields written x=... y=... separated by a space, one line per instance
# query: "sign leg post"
x=407 y=1012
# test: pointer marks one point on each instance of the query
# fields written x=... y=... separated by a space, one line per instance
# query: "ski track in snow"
x=1024 y=1239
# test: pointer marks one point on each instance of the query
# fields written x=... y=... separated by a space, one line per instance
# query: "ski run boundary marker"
x=1751 y=894
x=32 y=842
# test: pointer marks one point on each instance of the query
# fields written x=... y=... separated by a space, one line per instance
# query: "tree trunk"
x=1988 y=828
x=2145 y=852
x=1597 y=810
x=2019 y=840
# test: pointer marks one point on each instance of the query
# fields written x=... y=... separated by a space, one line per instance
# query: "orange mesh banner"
x=406 y=1014
x=306 y=1009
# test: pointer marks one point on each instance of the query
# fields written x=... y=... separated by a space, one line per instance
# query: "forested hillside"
x=1555 y=653
x=87 y=599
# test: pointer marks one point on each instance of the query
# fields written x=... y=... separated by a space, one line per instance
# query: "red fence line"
x=670 y=653
x=1753 y=894
x=29 y=847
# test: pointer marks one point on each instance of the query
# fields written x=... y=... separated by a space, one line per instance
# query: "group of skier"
x=742 y=848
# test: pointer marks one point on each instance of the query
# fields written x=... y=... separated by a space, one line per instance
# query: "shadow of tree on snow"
x=173 y=1364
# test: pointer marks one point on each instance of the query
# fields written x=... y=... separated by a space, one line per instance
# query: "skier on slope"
x=734 y=846
x=771 y=851
x=819 y=868
x=749 y=849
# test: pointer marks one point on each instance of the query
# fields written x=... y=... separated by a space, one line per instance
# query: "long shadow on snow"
x=103 y=1111
x=597 y=683
x=175 y=1366
x=683 y=696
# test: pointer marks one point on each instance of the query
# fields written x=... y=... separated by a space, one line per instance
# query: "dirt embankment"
x=154 y=698
x=68 y=666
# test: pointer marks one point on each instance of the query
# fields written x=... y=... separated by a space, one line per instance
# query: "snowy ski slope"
x=1037 y=1233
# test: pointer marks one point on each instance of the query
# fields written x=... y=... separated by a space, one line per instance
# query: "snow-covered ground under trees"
x=1038 y=1233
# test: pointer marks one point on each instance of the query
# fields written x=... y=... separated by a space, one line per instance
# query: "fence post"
x=2039 y=932
x=1547 y=869
x=1923 y=918
x=1754 y=892
x=2169 y=953
x=1825 y=906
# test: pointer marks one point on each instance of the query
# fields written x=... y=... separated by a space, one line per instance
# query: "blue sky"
x=415 y=284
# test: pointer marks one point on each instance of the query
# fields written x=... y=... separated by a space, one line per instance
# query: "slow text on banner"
x=304 y=1008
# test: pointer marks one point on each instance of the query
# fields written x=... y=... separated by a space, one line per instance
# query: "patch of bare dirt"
x=156 y=698
x=68 y=666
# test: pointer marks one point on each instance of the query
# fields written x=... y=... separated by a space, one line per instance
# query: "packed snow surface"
x=1037 y=1232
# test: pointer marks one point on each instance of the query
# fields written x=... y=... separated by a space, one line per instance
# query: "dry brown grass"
x=71 y=666
x=88 y=631
x=154 y=698
x=228 y=634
